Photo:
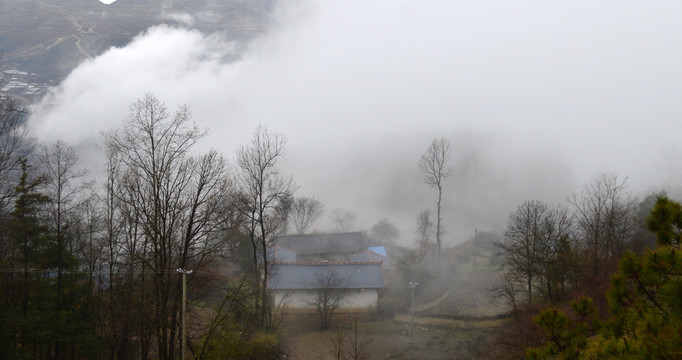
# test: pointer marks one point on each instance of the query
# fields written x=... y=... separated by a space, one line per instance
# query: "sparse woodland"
x=596 y=280
x=88 y=268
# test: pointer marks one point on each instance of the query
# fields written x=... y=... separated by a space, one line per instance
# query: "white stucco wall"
x=305 y=299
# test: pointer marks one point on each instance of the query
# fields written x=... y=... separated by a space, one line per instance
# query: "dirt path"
x=464 y=323
x=432 y=304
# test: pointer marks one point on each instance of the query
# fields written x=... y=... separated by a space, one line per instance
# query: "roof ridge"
x=327 y=262
x=324 y=234
x=281 y=247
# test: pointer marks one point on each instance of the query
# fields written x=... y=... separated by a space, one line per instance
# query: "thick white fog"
x=537 y=97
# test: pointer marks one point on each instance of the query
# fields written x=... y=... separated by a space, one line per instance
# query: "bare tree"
x=332 y=290
x=13 y=145
x=556 y=252
x=346 y=342
x=414 y=266
x=433 y=164
x=507 y=288
x=124 y=304
x=64 y=184
x=424 y=228
x=304 y=212
x=605 y=213
x=343 y=220
x=171 y=200
x=522 y=241
x=261 y=190
x=384 y=231
x=538 y=251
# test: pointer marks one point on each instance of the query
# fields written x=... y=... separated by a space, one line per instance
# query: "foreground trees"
x=28 y=237
x=172 y=202
x=13 y=146
x=554 y=254
x=537 y=249
x=91 y=271
x=64 y=185
x=645 y=309
x=261 y=192
x=43 y=313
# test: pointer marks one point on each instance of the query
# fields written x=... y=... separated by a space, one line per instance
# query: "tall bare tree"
x=172 y=200
x=123 y=265
x=261 y=189
x=304 y=212
x=434 y=168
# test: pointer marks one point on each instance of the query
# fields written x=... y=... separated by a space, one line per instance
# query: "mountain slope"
x=42 y=41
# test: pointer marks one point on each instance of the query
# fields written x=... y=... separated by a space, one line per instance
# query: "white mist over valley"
x=537 y=99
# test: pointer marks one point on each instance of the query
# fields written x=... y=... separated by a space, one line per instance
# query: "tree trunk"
x=440 y=192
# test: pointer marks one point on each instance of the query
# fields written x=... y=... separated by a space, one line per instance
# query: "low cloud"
x=538 y=98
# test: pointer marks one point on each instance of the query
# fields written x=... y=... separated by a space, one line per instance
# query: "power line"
x=119 y=272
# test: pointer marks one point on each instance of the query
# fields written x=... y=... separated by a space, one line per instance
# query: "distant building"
x=319 y=247
x=301 y=263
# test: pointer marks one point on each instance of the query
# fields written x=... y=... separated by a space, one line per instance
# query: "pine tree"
x=34 y=324
x=28 y=236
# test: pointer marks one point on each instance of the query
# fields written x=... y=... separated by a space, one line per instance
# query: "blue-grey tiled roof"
x=278 y=253
x=360 y=257
x=371 y=255
x=353 y=275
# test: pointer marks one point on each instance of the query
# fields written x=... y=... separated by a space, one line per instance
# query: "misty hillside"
x=42 y=41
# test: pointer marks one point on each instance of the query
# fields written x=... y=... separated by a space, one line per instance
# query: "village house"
x=301 y=266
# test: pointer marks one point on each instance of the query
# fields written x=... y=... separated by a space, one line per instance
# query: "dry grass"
x=388 y=339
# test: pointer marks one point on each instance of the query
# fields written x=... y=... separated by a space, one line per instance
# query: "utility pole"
x=184 y=309
x=413 y=285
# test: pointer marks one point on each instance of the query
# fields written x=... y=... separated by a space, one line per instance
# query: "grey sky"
x=538 y=98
